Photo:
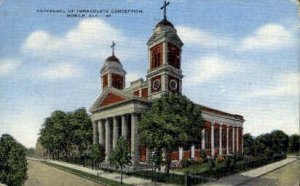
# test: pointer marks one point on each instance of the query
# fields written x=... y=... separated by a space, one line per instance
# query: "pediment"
x=111 y=98
x=108 y=97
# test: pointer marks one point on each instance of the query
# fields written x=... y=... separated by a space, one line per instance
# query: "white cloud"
x=269 y=37
x=61 y=71
x=8 y=65
x=91 y=39
x=210 y=67
x=198 y=37
x=287 y=84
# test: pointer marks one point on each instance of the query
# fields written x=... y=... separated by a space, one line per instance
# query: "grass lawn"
x=88 y=176
x=194 y=169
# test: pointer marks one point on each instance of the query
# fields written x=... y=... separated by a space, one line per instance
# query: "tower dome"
x=112 y=72
x=164 y=22
x=112 y=63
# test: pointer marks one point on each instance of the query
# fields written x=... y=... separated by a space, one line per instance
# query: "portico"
x=115 y=120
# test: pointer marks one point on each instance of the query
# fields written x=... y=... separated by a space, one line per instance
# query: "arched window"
x=117 y=81
x=173 y=56
x=156 y=56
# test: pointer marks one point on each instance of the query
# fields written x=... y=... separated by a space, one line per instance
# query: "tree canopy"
x=294 y=143
x=249 y=142
x=63 y=133
x=13 y=164
x=171 y=121
x=269 y=144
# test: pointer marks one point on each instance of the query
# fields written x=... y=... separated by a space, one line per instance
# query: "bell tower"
x=112 y=72
x=164 y=54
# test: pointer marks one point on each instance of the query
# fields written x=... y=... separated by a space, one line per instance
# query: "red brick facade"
x=136 y=93
x=145 y=93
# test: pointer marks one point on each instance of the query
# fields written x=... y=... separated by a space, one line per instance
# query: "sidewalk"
x=112 y=176
x=241 y=178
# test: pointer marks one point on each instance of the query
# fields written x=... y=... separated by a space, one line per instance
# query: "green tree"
x=47 y=138
x=294 y=143
x=172 y=120
x=97 y=153
x=279 y=141
x=248 y=144
x=82 y=131
x=30 y=152
x=53 y=133
x=120 y=156
x=13 y=164
x=261 y=143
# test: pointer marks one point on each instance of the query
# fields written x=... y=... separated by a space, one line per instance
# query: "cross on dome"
x=113 y=48
x=164 y=7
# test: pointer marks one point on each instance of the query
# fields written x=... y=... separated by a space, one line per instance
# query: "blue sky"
x=238 y=56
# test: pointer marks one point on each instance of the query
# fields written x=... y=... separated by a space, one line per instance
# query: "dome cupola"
x=112 y=72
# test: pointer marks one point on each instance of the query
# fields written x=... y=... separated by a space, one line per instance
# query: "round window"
x=173 y=84
x=156 y=84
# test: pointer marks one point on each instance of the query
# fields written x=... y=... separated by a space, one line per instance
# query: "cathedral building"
x=118 y=109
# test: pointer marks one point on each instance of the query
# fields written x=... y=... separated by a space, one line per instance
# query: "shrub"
x=203 y=155
x=211 y=163
x=198 y=160
x=185 y=163
x=220 y=159
x=230 y=163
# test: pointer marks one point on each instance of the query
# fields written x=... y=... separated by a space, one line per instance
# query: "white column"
x=233 y=138
x=94 y=132
x=237 y=139
x=242 y=142
x=109 y=80
x=115 y=131
x=101 y=132
x=212 y=139
x=180 y=153
x=165 y=53
x=134 y=140
x=203 y=139
x=125 y=127
x=107 y=139
x=227 y=139
x=220 y=140
x=193 y=151
x=149 y=59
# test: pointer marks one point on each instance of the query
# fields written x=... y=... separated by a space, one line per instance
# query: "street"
x=40 y=174
x=288 y=175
